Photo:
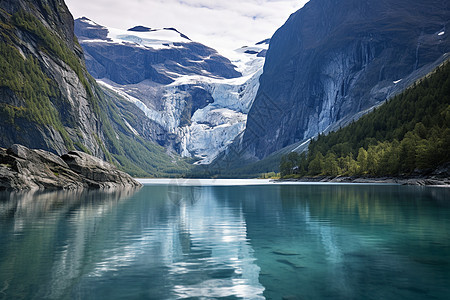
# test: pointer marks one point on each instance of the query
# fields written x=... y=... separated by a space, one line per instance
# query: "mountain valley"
x=156 y=103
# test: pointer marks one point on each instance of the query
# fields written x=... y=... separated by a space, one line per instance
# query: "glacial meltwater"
x=227 y=241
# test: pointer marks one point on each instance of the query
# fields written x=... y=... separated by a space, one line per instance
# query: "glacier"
x=203 y=127
x=213 y=127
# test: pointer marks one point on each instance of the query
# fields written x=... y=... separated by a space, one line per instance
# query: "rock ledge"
x=30 y=169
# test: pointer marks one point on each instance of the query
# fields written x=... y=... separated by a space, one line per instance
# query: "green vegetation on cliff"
x=51 y=43
x=132 y=153
x=37 y=95
x=409 y=132
x=24 y=77
x=31 y=98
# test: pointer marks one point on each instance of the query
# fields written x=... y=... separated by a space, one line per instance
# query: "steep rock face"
x=46 y=100
x=333 y=59
x=54 y=14
x=25 y=169
x=49 y=101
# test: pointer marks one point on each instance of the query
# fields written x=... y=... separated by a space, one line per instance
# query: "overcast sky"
x=221 y=24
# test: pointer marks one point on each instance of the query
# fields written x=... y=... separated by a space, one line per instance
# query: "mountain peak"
x=84 y=19
x=181 y=34
x=264 y=42
x=85 y=28
x=140 y=28
x=88 y=21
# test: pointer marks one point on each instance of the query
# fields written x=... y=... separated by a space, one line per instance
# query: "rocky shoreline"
x=419 y=181
x=22 y=168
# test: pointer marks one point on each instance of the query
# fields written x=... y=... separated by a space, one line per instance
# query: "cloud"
x=221 y=24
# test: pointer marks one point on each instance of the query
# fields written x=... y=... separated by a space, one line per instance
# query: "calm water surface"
x=227 y=242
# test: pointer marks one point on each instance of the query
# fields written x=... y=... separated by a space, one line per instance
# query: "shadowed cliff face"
x=53 y=13
x=47 y=99
x=333 y=59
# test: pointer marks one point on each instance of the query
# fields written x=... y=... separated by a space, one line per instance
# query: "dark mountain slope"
x=333 y=59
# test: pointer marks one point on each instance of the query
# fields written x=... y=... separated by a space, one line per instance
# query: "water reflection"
x=250 y=242
x=197 y=247
x=341 y=241
x=31 y=206
x=161 y=243
x=31 y=226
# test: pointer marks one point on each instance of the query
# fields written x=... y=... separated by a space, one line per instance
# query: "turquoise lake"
x=195 y=241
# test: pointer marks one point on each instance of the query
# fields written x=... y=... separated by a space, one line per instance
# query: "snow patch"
x=301 y=145
x=155 y=39
x=92 y=23
x=130 y=127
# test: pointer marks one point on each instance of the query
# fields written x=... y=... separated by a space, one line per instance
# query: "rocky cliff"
x=25 y=169
x=46 y=99
x=49 y=101
x=334 y=59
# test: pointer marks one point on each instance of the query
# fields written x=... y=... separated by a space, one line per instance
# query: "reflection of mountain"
x=310 y=241
x=31 y=224
x=186 y=237
x=322 y=241
x=30 y=206
x=230 y=265
x=189 y=245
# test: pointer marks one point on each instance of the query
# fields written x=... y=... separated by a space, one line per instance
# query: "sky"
x=221 y=24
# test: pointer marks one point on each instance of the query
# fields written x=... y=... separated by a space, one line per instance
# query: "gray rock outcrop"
x=22 y=168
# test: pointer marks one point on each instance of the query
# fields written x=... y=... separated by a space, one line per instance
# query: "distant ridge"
x=266 y=41
x=140 y=29
x=181 y=34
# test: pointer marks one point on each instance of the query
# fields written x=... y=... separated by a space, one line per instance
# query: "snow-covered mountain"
x=198 y=96
x=140 y=53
